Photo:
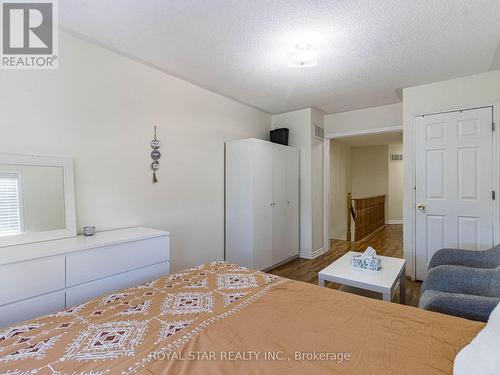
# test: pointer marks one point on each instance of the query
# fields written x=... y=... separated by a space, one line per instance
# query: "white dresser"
x=262 y=203
x=44 y=277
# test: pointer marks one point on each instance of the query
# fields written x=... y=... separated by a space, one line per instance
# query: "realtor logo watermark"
x=29 y=34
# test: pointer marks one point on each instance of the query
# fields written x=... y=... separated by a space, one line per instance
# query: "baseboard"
x=389 y=222
x=312 y=254
x=280 y=263
x=338 y=238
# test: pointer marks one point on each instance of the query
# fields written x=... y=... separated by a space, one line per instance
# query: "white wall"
x=396 y=184
x=369 y=171
x=317 y=173
x=340 y=185
x=99 y=108
x=364 y=119
x=466 y=92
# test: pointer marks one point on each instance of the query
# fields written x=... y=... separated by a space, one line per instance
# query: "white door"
x=263 y=205
x=454 y=183
x=279 y=203
x=292 y=202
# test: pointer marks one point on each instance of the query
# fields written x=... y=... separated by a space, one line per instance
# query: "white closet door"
x=454 y=182
x=279 y=203
x=240 y=202
x=292 y=202
x=263 y=205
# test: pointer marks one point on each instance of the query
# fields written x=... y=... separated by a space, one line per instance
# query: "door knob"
x=273 y=204
x=421 y=206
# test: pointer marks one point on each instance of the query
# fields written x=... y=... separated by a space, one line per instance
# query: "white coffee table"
x=384 y=281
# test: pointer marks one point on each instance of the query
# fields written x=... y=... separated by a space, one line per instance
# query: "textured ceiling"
x=368 y=49
x=372 y=139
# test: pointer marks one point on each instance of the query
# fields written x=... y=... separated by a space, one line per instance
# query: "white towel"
x=482 y=355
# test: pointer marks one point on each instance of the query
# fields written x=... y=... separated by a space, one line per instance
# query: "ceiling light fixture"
x=302 y=56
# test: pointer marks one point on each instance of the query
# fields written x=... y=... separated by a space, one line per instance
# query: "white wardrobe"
x=262 y=203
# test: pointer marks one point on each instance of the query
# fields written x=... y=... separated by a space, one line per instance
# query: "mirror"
x=36 y=199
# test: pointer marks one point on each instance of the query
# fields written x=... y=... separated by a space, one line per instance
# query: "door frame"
x=326 y=169
x=496 y=182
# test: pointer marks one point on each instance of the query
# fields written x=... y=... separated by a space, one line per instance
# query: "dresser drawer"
x=19 y=281
x=31 y=308
x=85 y=292
x=110 y=260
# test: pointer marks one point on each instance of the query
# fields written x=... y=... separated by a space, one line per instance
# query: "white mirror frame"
x=69 y=198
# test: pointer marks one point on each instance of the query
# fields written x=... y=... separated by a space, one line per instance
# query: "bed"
x=221 y=318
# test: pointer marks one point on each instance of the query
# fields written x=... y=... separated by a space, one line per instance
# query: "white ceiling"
x=368 y=49
x=372 y=139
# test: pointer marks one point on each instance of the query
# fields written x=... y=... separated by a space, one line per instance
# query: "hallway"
x=386 y=241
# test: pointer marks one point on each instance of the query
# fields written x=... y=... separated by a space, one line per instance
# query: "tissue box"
x=369 y=263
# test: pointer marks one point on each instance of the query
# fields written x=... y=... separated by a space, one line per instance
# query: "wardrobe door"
x=279 y=203
x=292 y=202
x=263 y=205
x=239 y=202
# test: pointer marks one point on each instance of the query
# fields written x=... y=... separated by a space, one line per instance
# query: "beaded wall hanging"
x=155 y=155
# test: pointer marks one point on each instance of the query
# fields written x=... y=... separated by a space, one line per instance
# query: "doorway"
x=365 y=184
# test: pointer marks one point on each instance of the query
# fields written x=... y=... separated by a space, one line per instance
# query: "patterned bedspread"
x=123 y=331
x=221 y=318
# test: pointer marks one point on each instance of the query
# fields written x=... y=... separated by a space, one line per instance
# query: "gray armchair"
x=469 y=258
x=463 y=283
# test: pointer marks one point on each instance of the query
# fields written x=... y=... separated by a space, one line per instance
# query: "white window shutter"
x=10 y=216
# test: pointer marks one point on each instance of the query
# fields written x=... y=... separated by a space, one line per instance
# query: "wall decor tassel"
x=155 y=155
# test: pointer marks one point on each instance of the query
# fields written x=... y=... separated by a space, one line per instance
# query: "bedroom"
x=207 y=73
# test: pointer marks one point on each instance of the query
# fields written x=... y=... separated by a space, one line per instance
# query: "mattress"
x=221 y=318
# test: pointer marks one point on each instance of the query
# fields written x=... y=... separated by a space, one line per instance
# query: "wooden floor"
x=386 y=241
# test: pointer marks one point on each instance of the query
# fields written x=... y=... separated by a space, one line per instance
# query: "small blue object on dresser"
x=367 y=260
x=89 y=230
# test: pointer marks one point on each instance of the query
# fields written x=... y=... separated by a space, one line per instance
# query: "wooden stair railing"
x=368 y=215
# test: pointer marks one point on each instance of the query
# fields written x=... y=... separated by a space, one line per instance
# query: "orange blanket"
x=220 y=318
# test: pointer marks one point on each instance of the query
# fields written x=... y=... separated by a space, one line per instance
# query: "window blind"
x=10 y=217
